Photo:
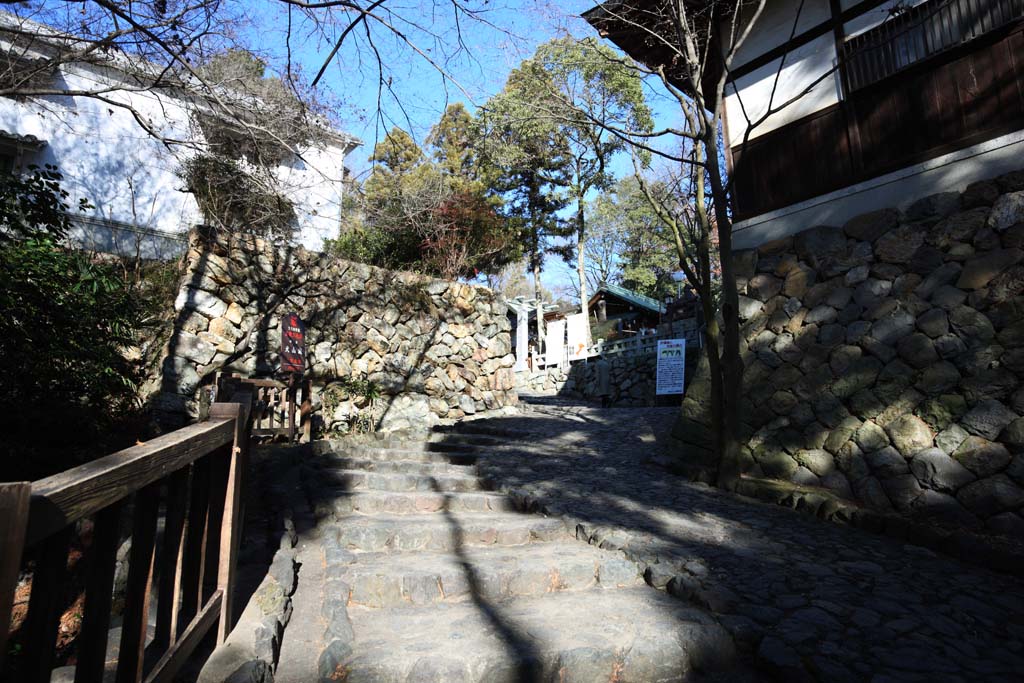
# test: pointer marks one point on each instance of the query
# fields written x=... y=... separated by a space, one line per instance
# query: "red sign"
x=293 y=344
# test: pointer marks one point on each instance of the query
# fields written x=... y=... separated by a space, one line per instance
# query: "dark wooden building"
x=891 y=100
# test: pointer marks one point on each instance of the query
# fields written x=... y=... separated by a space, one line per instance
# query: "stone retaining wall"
x=431 y=349
x=884 y=359
x=633 y=379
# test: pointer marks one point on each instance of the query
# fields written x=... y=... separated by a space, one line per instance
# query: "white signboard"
x=555 y=351
x=671 y=366
x=576 y=330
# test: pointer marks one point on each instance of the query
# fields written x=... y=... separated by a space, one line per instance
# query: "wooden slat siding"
x=962 y=98
x=137 y=588
x=49 y=587
x=232 y=520
x=170 y=558
x=171 y=662
x=91 y=645
x=195 y=543
x=13 y=523
x=82 y=491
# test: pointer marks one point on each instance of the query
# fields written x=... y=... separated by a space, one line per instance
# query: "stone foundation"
x=884 y=359
x=431 y=349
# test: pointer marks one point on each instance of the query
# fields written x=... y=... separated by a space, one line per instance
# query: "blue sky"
x=475 y=55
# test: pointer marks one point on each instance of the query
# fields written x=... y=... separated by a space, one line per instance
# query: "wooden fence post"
x=232 y=522
x=13 y=522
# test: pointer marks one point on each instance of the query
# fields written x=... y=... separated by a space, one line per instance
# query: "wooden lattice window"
x=917 y=33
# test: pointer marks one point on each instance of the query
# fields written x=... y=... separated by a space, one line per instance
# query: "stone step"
x=418 y=454
x=412 y=503
x=448 y=531
x=397 y=466
x=633 y=634
x=494 y=574
x=361 y=480
x=482 y=428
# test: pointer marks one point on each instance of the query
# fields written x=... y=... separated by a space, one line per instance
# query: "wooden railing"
x=279 y=408
x=191 y=478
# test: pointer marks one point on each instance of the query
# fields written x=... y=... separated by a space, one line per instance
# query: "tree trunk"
x=732 y=361
x=581 y=271
x=540 y=303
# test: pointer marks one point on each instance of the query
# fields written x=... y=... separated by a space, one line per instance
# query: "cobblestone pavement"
x=805 y=599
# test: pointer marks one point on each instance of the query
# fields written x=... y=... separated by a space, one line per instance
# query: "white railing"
x=640 y=344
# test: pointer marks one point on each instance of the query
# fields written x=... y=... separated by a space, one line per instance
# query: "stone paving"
x=424 y=567
x=417 y=572
x=803 y=599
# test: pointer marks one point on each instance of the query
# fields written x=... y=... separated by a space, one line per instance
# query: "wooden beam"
x=13 y=523
x=91 y=645
x=802 y=39
x=232 y=522
x=65 y=498
x=170 y=558
x=172 y=661
x=45 y=605
x=137 y=590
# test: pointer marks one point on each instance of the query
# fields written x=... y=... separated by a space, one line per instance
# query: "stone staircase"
x=430 y=575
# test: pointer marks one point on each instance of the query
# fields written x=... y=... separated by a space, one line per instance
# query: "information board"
x=554 y=352
x=293 y=344
x=576 y=331
x=671 y=366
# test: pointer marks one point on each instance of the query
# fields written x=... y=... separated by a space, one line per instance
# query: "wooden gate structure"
x=277 y=408
x=192 y=480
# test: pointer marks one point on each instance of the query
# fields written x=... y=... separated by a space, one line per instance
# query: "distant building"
x=106 y=156
x=893 y=100
x=611 y=302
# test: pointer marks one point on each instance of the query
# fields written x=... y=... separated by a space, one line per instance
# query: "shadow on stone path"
x=807 y=600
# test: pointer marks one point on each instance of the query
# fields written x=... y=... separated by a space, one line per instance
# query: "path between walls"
x=433 y=572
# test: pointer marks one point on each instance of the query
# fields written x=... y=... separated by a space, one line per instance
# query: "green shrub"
x=65 y=322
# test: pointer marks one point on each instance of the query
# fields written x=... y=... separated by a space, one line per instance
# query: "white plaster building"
x=106 y=156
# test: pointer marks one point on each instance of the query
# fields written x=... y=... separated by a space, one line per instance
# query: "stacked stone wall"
x=633 y=378
x=884 y=360
x=430 y=349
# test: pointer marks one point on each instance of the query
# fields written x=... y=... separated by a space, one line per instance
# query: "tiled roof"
x=631 y=297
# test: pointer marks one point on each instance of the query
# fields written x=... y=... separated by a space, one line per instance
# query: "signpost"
x=293 y=345
x=671 y=366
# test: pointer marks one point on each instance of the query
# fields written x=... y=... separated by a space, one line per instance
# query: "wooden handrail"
x=195 y=475
x=81 y=491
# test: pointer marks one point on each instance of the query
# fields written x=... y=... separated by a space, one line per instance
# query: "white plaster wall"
x=805 y=84
x=775 y=24
x=105 y=156
x=314 y=183
x=749 y=97
x=873 y=17
x=948 y=173
x=108 y=158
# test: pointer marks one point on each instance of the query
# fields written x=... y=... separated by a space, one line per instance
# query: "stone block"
x=937 y=470
x=1007 y=211
x=981 y=456
x=988 y=418
x=980 y=193
x=869 y=227
x=910 y=434
x=899 y=245
x=981 y=270
x=818 y=461
x=991 y=495
x=903 y=490
x=886 y=462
